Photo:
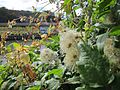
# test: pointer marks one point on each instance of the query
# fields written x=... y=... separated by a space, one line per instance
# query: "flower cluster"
x=48 y=56
x=68 y=45
x=112 y=52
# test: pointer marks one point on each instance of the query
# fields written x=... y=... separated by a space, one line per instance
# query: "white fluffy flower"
x=71 y=57
x=48 y=56
x=69 y=39
x=68 y=45
x=112 y=53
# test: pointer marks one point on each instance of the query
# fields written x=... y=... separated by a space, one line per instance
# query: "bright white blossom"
x=69 y=39
x=112 y=52
x=48 y=56
x=71 y=57
x=68 y=45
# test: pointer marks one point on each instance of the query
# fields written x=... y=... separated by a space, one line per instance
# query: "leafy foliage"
x=93 y=67
x=24 y=69
x=115 y=31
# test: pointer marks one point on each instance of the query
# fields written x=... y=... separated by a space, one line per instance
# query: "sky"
x=27 y=4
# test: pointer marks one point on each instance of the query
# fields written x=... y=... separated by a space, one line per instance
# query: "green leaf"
x=115 y=31
x=105 y=3
x=103 y=13
x=68 y=6
x=55 y=38
x=58 y=72
x=74 y=80
x=16 y=45
x=104 y=7
x=34 y=88
x=12 y=85
x=101 y=40
x=5 y=85
x=2 y=68
x=21 y=87
x=9 y=49
x=1 y=80
x=33 y=56
x=111 y=79
x=66 y=2
x=76 y=7
x=79 y=88
x=77 y=2
x=53 y=84
x=13 y=46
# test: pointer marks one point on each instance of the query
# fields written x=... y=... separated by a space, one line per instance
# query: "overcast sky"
x=26 y=4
